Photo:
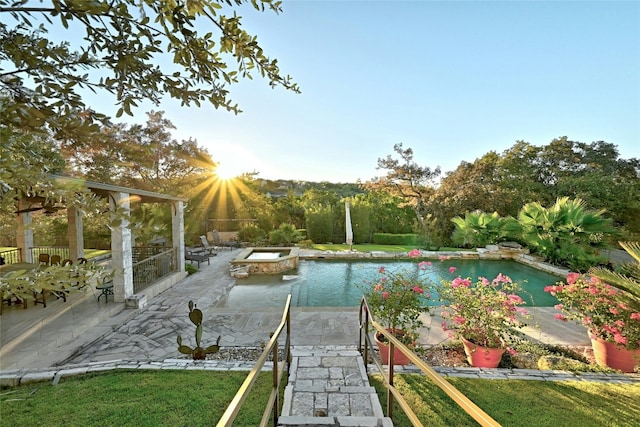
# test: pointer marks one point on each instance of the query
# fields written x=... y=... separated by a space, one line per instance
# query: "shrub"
x=286 y=235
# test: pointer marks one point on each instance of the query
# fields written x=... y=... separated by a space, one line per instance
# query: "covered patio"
x=139 y=272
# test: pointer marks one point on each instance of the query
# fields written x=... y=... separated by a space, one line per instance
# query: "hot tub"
x=267 y=260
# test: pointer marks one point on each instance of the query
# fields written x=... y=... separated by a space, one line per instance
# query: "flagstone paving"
x=328 y=378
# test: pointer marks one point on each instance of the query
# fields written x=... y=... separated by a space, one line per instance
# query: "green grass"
x=519 y=402
x=372 y=248
x=134 y=398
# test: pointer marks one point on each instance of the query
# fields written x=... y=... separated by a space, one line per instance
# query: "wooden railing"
x=62 y=251
x=366 y=322
x=12 y=256
x=273 y=403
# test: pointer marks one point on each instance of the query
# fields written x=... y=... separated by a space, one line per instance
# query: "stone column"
x=24 y=233
x=74 y=233
x=177 y=232
x=121 y=250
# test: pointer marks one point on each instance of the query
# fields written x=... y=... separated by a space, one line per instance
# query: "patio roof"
x=103 y=190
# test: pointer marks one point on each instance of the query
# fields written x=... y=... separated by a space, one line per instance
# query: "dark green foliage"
x=319 y=222
x=361 y=212
x=285 y=235
x=198 y=353
x=566 y=233
x=479 y=229
x=251 y=233
x=190 y=268
x=397 y=239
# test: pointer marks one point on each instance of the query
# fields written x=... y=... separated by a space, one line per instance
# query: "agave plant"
x=628 y=276
x=198 y=353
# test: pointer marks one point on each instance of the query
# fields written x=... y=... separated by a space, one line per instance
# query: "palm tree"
x=628 y=278
x=566 y=233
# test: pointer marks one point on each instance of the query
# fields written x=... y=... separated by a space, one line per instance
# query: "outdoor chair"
x=43 y=259
x=211 y=250
x=219 y=242
x=55 y=259
x=196 y=254
x=106 y=289
x=66 y=262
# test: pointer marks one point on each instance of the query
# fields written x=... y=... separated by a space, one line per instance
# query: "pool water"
x=339 y=283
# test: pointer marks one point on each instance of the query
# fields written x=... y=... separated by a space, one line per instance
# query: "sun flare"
x=226 y=171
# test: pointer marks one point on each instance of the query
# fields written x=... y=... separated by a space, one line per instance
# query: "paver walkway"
x=328 y=386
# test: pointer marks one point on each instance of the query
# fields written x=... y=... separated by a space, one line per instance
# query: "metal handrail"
x=273 y=403
x=458 y=397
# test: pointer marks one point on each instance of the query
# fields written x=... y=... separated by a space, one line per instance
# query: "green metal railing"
x=366 y=322
x=273 y=404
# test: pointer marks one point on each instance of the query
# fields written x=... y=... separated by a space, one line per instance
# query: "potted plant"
x=396 y=300
x=485 y=315
x=610 y=313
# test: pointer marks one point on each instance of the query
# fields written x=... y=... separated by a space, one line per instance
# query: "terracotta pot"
x=614 y=356
x=398 y=357
x=482 y=357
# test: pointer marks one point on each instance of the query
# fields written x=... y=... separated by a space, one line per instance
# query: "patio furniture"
x=54 y=260
x=43 y=259
x=197 y=255
x=106 y=289
x=205 y=244
x=218 y=241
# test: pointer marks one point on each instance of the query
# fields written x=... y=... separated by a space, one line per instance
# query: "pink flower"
x=459 y=320
x=619 y=339
x=559 y=316
x=613 y=310
x=558 y=306
x=415 y=253
x=459 y=281
x=511 y=351
x=378 y=287
x=423 y=265
x=452 y=270
x=635 y=316
x=484 y=281
x=418 y=290
x=385 y=295
x=443 y=258
x=572 y=278
x=381 y=270
x=500 y=278
x=515 y=298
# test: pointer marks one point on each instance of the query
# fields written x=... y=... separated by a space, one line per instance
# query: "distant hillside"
x=280 y=188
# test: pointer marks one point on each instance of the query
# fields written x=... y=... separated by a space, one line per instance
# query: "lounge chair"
x=218 y=242
x=211 y=250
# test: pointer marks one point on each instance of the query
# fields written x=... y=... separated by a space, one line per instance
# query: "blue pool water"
x=339 y=283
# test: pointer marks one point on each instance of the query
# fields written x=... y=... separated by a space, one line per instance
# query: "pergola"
x=121 y=237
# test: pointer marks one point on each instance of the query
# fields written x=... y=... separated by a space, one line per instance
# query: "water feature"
x=337 y=283
x=266 y=260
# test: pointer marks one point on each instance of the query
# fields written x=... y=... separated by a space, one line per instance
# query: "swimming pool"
x=337 y=283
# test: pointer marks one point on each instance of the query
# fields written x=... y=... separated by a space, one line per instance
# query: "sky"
x=452 y=80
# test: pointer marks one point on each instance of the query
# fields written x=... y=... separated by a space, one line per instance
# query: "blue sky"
x=452 y=80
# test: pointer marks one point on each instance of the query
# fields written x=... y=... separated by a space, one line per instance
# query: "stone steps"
x=328 y=386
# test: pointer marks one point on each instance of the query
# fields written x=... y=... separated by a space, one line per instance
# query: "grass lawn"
x=134 y=398
x=519 y=402
x=372 y=248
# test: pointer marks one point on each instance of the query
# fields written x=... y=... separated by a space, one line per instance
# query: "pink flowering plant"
x=486 y=312
x=398 y=298
x=606 y=311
